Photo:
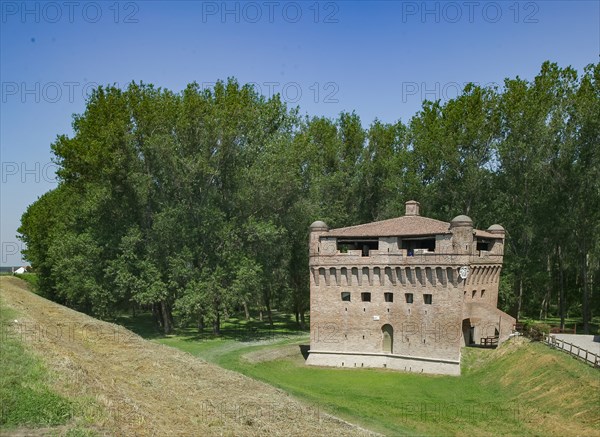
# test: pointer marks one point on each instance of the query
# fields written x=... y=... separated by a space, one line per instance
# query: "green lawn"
x=510 y=391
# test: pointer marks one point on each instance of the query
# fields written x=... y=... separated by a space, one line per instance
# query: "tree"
x=197 y=204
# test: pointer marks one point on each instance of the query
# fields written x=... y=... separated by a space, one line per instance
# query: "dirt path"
x=150 y=389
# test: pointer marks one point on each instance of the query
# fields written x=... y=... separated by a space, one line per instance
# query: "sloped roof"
x=395 y=227
x=485 y=234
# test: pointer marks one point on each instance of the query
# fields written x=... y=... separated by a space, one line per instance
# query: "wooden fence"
x=573 y=350
x=489 y=341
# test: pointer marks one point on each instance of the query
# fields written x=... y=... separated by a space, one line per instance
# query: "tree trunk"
x=543 y=307
x=519 y=293
x=200 y=322
x=167 y=317
x=586 y=302
x=302 y=321
x=562 y=290
x=156 y=316
x=267 y=301
x=246 y=310
x=217 y=325
x=548 y=296
x=270 y=315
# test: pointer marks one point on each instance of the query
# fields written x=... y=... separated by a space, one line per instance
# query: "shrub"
x=535 y=331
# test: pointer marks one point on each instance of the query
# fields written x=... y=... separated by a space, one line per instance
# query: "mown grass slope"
x=29 y=404
x=125 y=385
x=25 y=395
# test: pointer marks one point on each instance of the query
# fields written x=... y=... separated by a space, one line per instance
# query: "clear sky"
x=380 y=59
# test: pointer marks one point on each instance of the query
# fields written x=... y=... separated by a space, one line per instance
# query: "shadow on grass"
x=237 y=329
x=142 y=324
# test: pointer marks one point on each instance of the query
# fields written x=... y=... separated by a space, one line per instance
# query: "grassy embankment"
x=27 y=399
x=520 y=389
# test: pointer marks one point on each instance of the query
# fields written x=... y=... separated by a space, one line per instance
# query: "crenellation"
x=344 y=281
x=410 y=276
x=377 y=279
x=429 y=274
x=389 y=277
x=355 y=277
x=367 y=278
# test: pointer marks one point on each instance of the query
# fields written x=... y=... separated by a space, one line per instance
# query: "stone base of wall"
x=388 y=361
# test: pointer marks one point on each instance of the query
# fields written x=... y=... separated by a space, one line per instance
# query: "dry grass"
x=143 y=388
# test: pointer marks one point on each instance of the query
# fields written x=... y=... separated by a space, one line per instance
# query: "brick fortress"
x=405 y=293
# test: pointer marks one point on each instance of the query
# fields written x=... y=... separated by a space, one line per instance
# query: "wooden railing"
x=573 y=350
x=489 y=341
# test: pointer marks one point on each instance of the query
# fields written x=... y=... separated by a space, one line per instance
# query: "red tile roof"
x=400 y=226
x=485 y=234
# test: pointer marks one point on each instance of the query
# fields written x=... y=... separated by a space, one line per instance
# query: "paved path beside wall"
x=590 y=343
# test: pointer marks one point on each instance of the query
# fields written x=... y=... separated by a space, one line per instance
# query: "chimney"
x=412 y=207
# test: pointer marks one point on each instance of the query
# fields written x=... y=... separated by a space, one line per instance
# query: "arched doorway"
x=388 y=339
x=468 y=332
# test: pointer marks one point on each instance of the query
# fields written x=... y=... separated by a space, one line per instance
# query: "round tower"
x=462 y=234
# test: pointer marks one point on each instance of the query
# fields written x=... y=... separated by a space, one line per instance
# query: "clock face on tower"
x=464 y=272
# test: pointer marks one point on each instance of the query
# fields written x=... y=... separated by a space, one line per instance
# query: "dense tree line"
x=197 y=204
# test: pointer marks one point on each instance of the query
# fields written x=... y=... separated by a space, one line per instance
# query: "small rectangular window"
x=474 y=293
x=483 y=245
x=427 y=299
x=409 y=297
x=482 y=293
x=389 y=297
x=365 y=297
x=346 y=296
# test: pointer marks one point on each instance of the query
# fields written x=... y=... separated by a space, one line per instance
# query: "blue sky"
x=380 y=59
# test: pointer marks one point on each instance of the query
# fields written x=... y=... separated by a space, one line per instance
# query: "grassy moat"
x=521 y=388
